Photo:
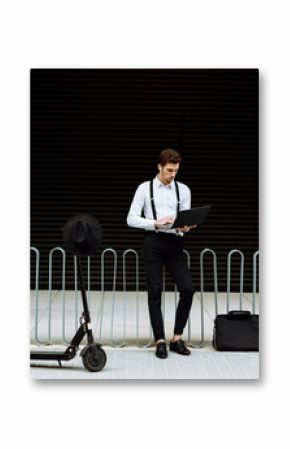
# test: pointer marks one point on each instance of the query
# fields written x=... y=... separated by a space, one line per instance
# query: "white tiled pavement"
x=132 y=361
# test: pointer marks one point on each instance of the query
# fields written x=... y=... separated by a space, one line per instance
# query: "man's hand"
x=186 y=228
x=164 y=221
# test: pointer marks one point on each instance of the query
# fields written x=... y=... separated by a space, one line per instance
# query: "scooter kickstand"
x=59 y=362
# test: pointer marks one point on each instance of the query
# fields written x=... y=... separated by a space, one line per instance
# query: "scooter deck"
x=49 y=355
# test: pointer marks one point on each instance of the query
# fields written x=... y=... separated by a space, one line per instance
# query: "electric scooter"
x=94 y=357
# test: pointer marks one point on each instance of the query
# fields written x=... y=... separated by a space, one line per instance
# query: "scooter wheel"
x=94 y=358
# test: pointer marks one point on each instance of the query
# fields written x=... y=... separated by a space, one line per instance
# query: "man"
x=160 y=200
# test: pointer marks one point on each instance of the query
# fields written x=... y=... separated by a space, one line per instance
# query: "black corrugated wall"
x=96 y=134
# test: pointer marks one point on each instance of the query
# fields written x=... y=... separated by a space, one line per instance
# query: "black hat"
x=82 y=235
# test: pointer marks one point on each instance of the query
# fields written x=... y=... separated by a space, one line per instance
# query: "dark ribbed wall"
x=95 y=135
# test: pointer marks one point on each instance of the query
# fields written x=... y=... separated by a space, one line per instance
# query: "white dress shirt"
x=165 y=204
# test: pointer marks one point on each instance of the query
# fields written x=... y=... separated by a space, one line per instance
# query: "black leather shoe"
x=161 y=351
x=179 y=347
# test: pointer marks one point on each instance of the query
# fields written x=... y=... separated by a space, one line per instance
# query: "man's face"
x=168 y=172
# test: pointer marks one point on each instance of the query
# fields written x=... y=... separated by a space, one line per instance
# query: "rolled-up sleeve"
x=186 y=203
x=134 y=218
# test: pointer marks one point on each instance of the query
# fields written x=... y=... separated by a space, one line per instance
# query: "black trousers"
x=160 y=248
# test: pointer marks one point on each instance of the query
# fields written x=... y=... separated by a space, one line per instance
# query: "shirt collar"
x=160 y=184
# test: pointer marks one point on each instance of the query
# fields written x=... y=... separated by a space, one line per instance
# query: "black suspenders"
x=152 y=198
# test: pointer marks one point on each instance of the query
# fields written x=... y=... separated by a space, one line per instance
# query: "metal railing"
x=210 y=251
x=118 y=318
x=255 y=256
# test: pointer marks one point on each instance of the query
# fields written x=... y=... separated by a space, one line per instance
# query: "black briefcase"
x=236 y=331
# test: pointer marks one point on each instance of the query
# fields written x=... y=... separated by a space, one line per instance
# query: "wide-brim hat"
x=82 y=235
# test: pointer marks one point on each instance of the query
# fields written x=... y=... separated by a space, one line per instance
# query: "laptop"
x=191 y=217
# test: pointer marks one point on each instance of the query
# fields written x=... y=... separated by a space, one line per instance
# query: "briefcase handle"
x=239 y=314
